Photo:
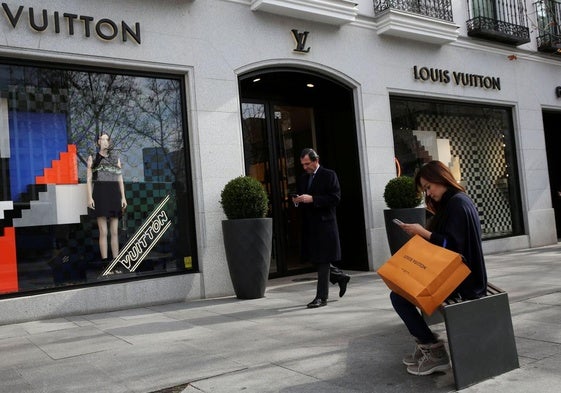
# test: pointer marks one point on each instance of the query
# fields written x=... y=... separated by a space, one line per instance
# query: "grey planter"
x=396 y=236
x=248 y=244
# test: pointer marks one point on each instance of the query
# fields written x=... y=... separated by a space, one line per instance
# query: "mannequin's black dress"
x=106 y=190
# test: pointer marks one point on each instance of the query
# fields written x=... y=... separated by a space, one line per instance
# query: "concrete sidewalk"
x=275 y=344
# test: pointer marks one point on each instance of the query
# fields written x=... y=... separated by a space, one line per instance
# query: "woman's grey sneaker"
x=413 y=358
x=434 y=358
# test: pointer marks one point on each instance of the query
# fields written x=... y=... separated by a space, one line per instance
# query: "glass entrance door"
x=273 y=136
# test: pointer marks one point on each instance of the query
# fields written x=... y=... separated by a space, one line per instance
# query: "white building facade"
x=196 y=92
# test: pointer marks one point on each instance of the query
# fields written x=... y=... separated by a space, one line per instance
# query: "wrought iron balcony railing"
x=548 y=17
x=499 y=20
x=439 y=9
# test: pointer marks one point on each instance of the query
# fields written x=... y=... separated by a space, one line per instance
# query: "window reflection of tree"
x=99 y=103
x=137 y=112
x=159 y=120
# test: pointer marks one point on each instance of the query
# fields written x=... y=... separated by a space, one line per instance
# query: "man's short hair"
x=310 y=153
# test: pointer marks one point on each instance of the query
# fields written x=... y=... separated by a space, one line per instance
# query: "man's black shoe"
x=317 y=302
x=343 y=285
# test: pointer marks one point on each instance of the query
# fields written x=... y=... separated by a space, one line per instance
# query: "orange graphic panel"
x=63 y=171
x=8 y=265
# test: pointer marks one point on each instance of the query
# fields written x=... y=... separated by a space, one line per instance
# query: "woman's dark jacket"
x=456 y=226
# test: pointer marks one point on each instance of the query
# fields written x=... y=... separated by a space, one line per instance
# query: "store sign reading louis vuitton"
x=57 y=22
x=438 y=75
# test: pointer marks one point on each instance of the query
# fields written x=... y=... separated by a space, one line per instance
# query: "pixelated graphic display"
x=51 y=124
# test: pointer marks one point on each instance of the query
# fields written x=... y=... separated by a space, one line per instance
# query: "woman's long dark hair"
x=437 y=173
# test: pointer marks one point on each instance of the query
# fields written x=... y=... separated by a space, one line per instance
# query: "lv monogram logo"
x=300 y=41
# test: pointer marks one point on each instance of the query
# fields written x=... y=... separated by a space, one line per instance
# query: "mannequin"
x=106 y=194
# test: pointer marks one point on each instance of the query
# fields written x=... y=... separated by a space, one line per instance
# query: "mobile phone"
x=397 y=221
x=293 y=195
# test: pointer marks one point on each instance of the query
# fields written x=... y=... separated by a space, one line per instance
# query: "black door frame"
x=278 y=197
x=551 y=121
x=337 y=144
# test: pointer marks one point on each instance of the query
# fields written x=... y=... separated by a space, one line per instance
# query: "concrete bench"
x=480 y=336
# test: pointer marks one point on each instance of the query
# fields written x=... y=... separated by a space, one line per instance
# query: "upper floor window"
x=548 y=17
x=439 y=9
x=499 y=20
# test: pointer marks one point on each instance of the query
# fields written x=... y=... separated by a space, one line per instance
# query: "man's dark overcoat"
x=320 y=234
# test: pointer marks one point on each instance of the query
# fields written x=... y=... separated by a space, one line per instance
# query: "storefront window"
x=476 y=142
x=131 y=129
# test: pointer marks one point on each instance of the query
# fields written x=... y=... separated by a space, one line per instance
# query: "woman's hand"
x=416 y=229
x=91 y=203
x=123 y=203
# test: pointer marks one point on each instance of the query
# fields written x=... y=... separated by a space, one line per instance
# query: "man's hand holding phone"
x=294 y=196
x=302 y=198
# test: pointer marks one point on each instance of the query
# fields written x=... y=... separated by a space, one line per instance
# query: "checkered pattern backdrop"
x=479 y=144
x=38 y=99
x=142 y=198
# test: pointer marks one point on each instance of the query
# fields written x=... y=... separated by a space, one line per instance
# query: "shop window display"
x=51 y=122
x=477 y=144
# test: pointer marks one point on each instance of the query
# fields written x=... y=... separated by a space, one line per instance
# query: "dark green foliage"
x=244 y=197
x=401 y=193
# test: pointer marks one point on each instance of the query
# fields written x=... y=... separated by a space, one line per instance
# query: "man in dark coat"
x=318 y=196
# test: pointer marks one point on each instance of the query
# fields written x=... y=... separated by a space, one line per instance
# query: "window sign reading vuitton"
x=437 y=75
x=145 y=238
x=57 y=22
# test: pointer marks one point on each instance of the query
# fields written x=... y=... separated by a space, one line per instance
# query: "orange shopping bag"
x=424 y=273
